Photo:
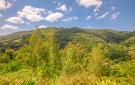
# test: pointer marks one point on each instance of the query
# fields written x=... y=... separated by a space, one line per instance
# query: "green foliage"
x=118 y=52
x=8 y=56
x=12 y=66
x=96 y=61
x=69 y=57
x=130 y=41
x=123 y=69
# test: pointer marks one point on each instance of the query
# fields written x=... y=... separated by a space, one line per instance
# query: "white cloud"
x=96 y=10
x=57 y=2
x=7 y=31
x=70 y=9
x=88 y=17
x=95 y=14
x=48 y=12
x=53 y=17
x=103 y=16
x=63 y=8
x=54 y=2
x=31 y=13
x=4 y=4
x=15 y=20
x=113 y=8
x=1 y=15
x=115 y=15
x=88 y=3
x=70 y=19
x=88 y=27
x=42 y=26
x=7 y=26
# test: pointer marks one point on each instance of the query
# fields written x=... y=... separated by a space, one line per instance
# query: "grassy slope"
x=85 y=37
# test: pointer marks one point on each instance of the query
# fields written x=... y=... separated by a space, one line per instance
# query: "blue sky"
x=100 y=14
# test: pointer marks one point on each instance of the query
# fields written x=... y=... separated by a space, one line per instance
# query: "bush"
x=12 y=67
x=8 y=56
x=118 y=52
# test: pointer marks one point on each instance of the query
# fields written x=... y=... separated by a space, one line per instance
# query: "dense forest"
x=68 y=56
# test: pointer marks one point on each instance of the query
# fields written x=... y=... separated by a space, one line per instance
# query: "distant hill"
x=75 y=35
x=14 y=40
x=14 y=36
x=70 y=34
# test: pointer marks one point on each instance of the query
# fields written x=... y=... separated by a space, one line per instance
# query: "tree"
x=117 y=52
x=8 y=56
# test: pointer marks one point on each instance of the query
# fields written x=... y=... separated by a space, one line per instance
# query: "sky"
x=19 y=15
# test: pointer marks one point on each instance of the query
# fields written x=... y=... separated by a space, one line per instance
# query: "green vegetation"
x=55 y=56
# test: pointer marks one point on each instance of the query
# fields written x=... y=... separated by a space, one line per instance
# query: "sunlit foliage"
x=69 y=57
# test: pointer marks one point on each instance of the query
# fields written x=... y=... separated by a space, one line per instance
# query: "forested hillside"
x=68 y=56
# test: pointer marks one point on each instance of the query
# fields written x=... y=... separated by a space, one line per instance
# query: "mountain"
x=63 y=34
x=14 y=40
x=68 y=56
